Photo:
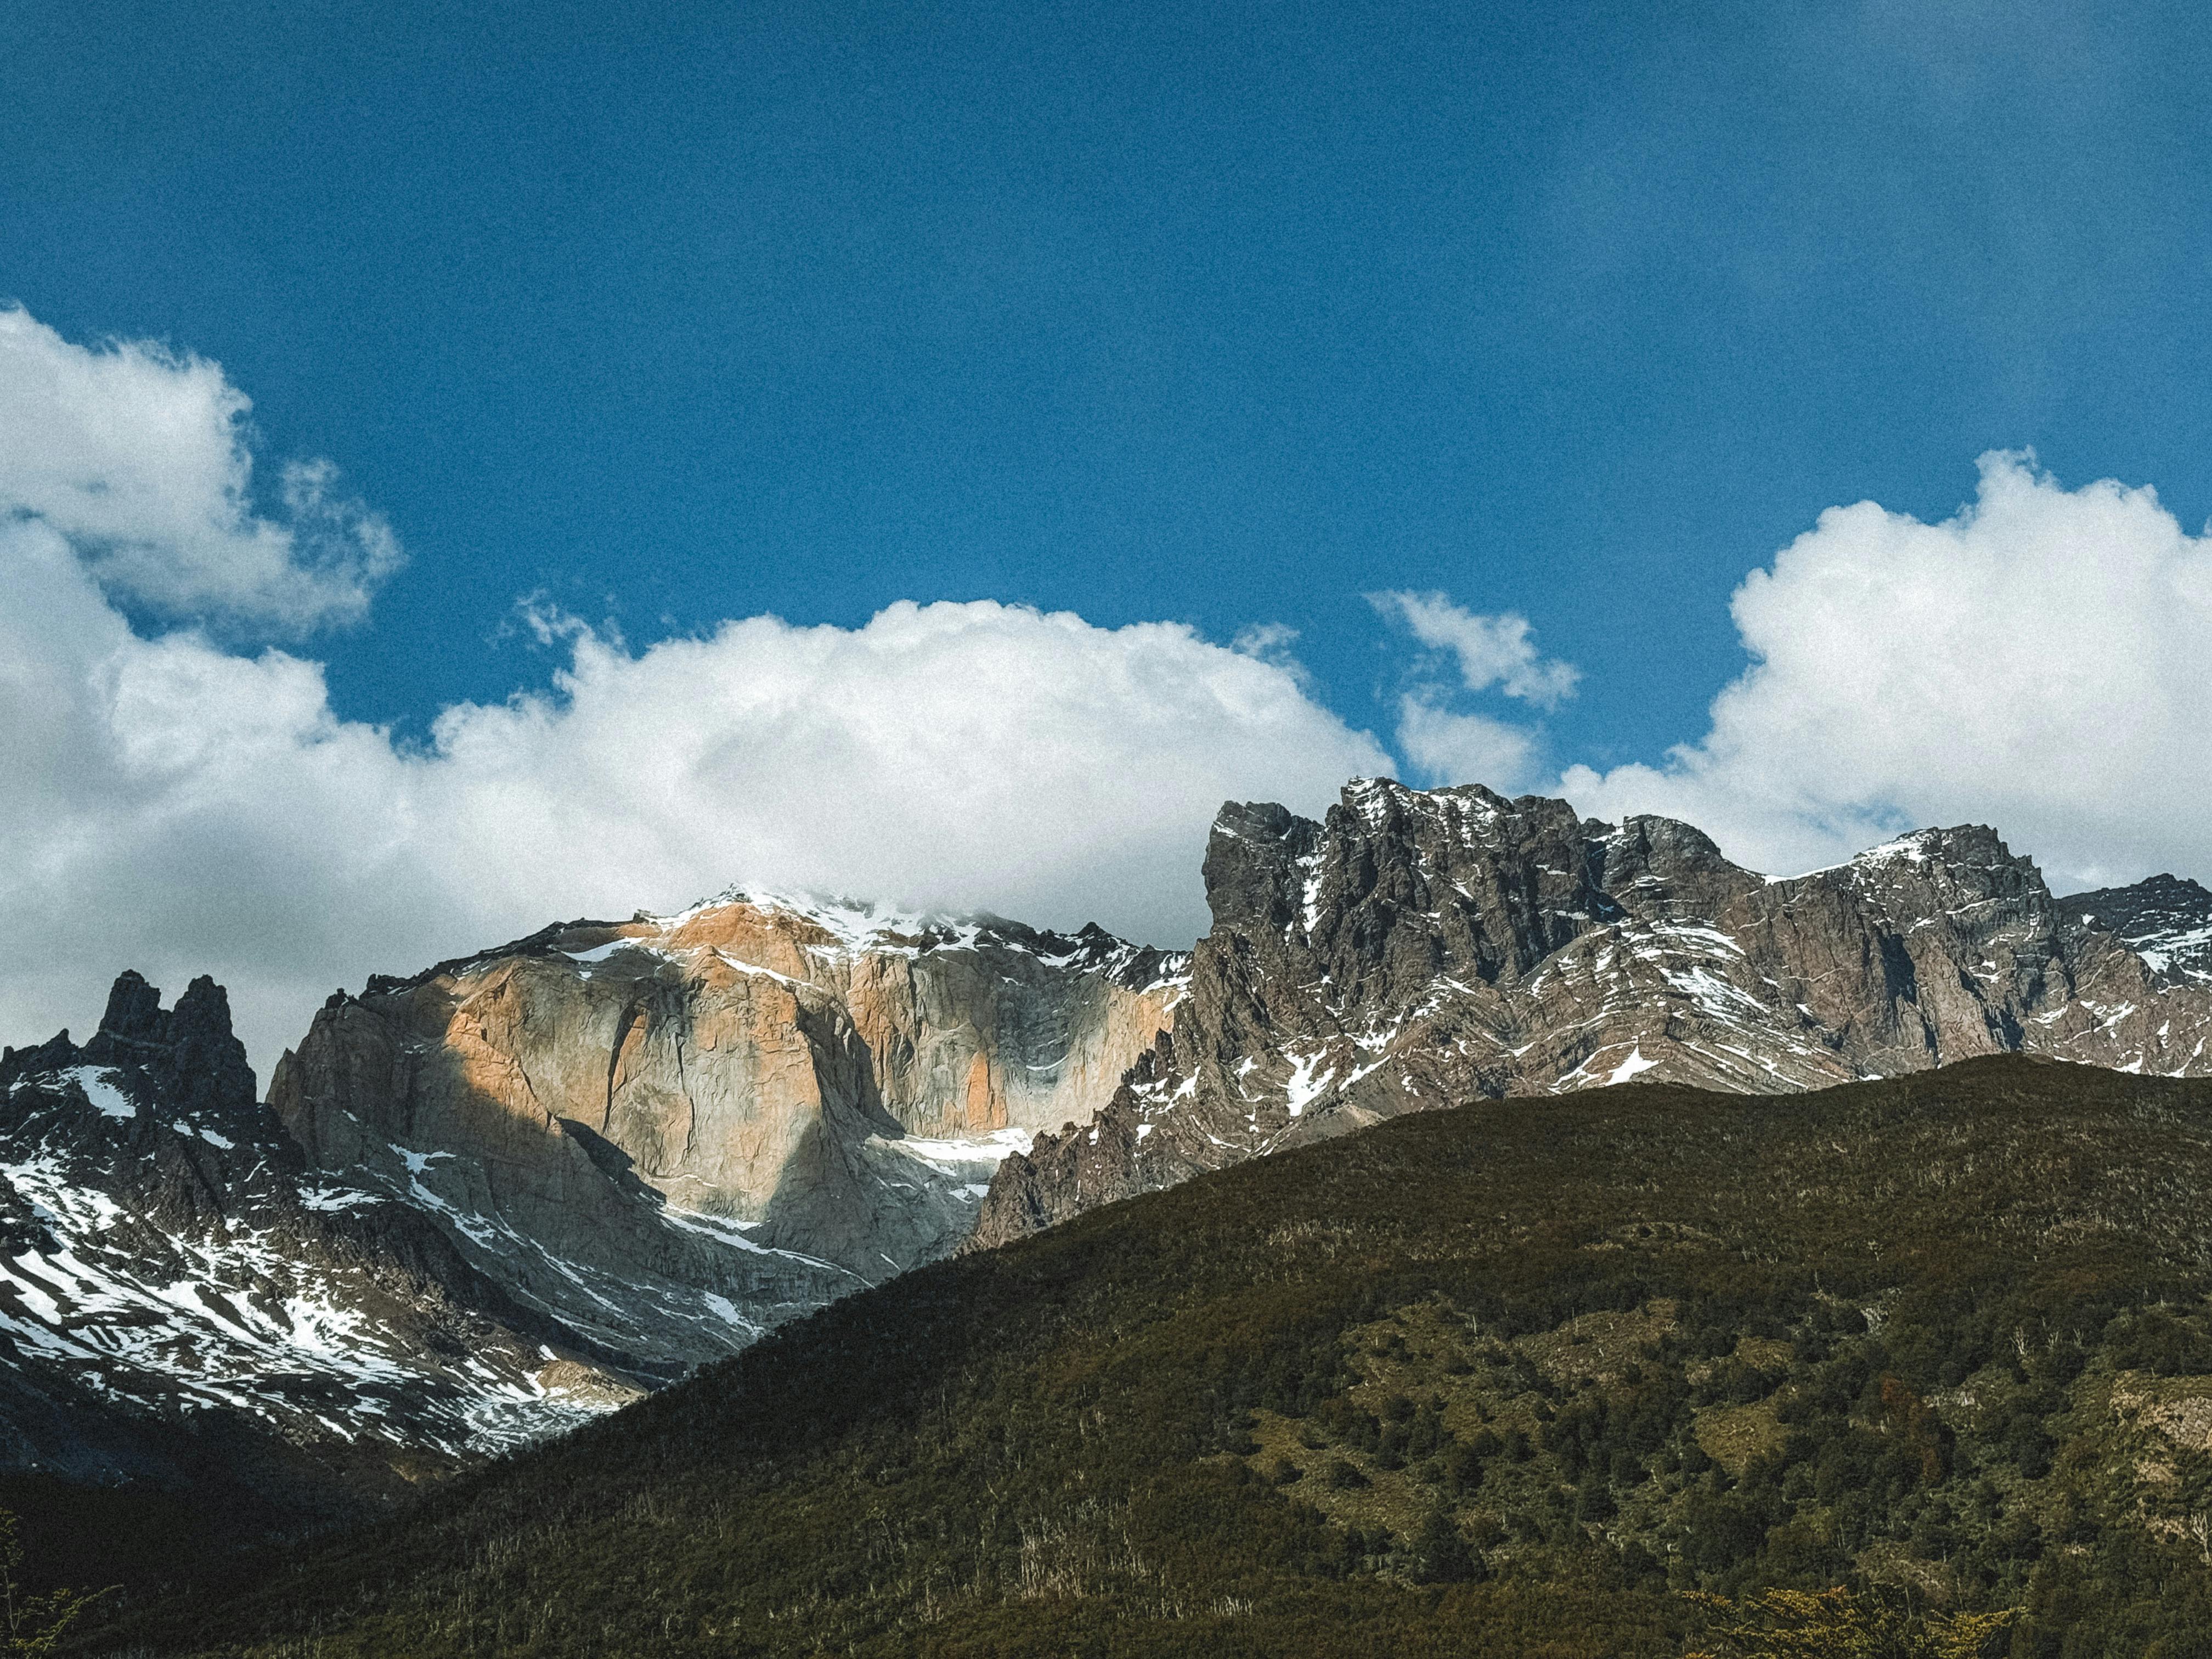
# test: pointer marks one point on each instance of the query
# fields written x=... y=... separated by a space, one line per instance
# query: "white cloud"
x=1456 y=748
x=140 y=460
x=174 y=806
x=2036 y=662
x=182 y=809
x=1268 y=642
x=1491 y=651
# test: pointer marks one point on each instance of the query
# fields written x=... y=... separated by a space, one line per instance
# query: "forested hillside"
x=1506 y=1379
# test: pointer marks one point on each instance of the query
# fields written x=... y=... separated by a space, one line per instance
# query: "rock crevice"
x=1416 y=949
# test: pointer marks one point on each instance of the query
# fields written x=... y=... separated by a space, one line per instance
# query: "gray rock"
x=1419 y=949
x=2165 y=919
x=181 y=1297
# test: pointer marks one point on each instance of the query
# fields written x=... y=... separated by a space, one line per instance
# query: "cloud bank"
x=2037 y=662
x=180 y=804
x=182 y=807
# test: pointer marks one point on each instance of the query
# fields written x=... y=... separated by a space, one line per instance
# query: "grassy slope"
x=1490 y=1381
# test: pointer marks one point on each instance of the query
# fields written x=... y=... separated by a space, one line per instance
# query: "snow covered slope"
x=2165 y=921
x=488 y=1199
x=491 y=1200
x=171 y=1269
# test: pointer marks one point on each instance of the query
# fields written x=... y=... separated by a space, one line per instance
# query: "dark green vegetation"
x=1501 y=1380
x=32 y=1622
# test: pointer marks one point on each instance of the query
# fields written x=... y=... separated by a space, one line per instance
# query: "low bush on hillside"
x=1922 y=1367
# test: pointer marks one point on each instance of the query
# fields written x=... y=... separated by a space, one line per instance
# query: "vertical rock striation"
x=485 y=1202
x=518 y=1187
x=1418 y=949
x=671 y=1133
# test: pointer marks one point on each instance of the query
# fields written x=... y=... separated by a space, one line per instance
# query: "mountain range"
x=1419 y=949
x=494 y=1199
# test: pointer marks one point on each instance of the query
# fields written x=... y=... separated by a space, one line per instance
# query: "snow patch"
x=599 y=954
x=1634 y=1065
x=108 y=1100
x=1305 y=1087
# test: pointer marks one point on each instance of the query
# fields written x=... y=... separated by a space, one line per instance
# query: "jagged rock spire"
x=1418 y=948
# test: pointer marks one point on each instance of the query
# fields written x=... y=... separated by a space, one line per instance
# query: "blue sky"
x=628 y=323
x=1582 y=311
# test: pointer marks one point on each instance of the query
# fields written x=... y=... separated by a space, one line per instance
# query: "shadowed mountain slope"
x=1481 y=1380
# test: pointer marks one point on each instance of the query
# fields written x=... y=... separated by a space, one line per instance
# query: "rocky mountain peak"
x=183 y=1060
x=2167 y=919
x=492 y=1196
x=1655 y=867
x=1398 y=888
x=675 y=1131
x=189 y=1049
x=1420 y=948
x=1944 y=871
x=180 y=1292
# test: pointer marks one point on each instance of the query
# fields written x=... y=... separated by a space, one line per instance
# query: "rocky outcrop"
x=513 y=1191
x=516 y=1188
x=2166 y=920
x=673 y=1133
x=181 y=1296
x=1418 y=949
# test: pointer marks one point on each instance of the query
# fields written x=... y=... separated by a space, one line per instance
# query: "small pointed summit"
x=134 y=1008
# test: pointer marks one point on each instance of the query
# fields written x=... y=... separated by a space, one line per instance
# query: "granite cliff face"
x=1418 y=949
x=489 y=1201
x=672 y=1134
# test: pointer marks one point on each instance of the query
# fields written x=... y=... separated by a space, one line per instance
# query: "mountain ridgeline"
x=1423 y=949
x=496 y=1198
x=488 y=1201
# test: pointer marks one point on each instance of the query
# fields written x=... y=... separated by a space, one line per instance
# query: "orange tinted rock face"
x=752 y=1102
x=985 y=1107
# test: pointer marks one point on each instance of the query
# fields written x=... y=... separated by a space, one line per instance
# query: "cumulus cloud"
x=1445 y=744
x=180 y=805
x=2035 y=662
x=140 y=460
x=1490 y=651
x=182 y=808
x=1460 y=748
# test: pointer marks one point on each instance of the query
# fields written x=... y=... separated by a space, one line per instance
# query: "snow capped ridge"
x=855 y=924
x=2165 y=920
x=489 y=1198
x=1418 y=948
x=1912 y=849
x=166 y=1253
x=670 y=1135
x=1966 y=846
x=856 y=927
